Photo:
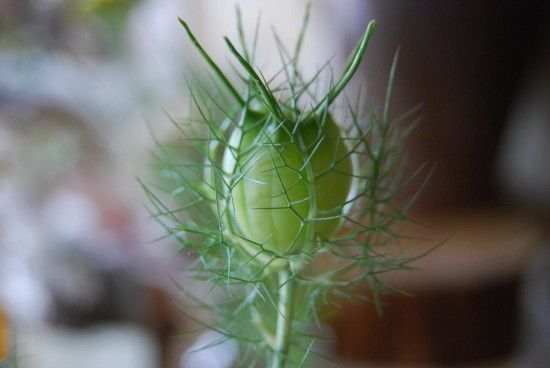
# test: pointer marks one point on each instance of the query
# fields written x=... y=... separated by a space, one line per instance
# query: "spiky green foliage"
x=264 y=190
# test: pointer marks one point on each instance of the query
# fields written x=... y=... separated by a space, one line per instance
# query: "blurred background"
x=83 y=283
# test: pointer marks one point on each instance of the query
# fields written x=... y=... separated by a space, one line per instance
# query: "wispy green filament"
x=260 y=191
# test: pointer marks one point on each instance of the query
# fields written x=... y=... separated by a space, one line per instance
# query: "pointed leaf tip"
x=350 y=68
x=215 y=68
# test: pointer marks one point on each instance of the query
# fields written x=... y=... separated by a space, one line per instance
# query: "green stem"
x=284 y=319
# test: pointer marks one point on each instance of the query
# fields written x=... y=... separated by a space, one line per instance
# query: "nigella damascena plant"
x=266 y=183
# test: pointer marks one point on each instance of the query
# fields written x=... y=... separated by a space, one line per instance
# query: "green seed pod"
x=290 y=185
x=261 y=189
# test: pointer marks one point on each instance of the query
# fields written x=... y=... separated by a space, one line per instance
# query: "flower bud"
x=289 y=182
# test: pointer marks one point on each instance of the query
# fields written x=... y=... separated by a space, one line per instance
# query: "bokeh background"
x=82 y=83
